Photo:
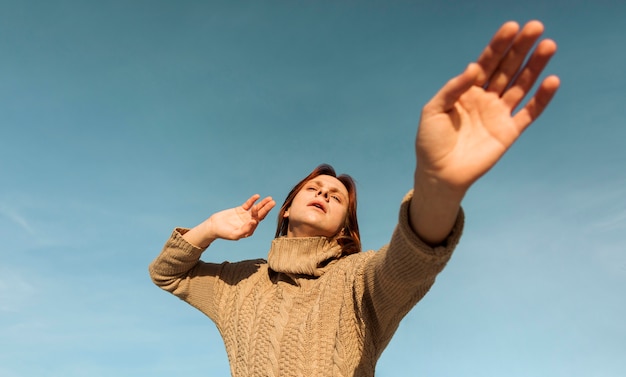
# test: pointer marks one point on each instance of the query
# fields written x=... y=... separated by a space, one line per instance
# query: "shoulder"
x=353 y=262
x=236 y=272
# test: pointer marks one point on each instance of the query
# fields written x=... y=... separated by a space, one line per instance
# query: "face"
x=318 y=209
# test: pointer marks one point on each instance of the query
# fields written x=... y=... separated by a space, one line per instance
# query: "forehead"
x=330 y=182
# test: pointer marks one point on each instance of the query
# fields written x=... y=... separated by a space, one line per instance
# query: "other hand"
x=471 y=122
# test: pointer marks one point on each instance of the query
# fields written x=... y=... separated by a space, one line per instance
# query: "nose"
x=323 y=193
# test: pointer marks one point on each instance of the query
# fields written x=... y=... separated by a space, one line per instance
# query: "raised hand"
x=471 y=122
x=231 y=224
x=240 y=222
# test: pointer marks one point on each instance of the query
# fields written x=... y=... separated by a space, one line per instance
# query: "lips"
x=318 y=204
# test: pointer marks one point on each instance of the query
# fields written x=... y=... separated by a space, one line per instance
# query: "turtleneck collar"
x=303 y=255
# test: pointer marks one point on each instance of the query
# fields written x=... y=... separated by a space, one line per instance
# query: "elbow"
x=159 y=279
x=154 y=276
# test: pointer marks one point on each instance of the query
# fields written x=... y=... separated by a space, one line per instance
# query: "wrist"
x=201 y=235
x=206 y=231
x=434 y=208
x=437 y=190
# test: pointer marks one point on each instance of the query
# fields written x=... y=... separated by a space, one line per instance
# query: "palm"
x=240 y=222
x=478 y=129
x=233 y=223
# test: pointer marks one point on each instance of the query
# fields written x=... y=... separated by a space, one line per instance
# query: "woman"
x=320 y=307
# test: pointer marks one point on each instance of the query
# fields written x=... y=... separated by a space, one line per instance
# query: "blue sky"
x=120 y=120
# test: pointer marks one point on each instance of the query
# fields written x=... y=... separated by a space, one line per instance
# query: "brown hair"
x=349 y=239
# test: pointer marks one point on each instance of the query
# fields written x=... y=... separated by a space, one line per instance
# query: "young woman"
x=318 y=306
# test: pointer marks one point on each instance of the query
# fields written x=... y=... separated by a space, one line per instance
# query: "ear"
x=286 y=214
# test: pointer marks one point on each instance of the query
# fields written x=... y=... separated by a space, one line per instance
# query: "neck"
x=306 y=230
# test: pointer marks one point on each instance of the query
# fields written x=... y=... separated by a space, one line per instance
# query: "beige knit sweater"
x=306 y=311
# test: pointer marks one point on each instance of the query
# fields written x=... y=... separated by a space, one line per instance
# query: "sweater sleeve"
x=179 y=270
x=396 y=277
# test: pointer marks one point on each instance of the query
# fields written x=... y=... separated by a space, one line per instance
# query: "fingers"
x=527 y=77
x=498 y=67
x=260 y=210
x=515 y=54
x=490 y=58
x=264 y=207
x=537 y=103
x=250 y=202
x=255 y=213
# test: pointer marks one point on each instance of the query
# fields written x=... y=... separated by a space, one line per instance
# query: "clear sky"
x=120 y=120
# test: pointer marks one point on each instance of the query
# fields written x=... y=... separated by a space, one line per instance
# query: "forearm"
x=179 y=270
x=434 y=209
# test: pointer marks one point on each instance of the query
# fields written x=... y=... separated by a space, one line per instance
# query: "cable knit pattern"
x=307 y=310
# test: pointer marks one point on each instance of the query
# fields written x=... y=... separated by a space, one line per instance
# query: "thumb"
x=447 y=96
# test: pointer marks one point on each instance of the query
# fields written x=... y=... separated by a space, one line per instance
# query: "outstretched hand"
x=471 y=122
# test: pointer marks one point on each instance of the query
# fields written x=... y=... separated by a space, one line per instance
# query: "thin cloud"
x=17 y=219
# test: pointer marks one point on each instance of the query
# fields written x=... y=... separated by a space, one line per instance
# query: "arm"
x=178 y=268
x=396 y=277
x=469 y=124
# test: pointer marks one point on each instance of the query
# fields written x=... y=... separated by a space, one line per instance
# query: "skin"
x=306 y=219
x=464 y=130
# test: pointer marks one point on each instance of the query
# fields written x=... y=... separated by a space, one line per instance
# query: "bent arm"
x=178 y=270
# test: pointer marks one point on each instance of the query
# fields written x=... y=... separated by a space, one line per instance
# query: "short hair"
x=350 y=238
